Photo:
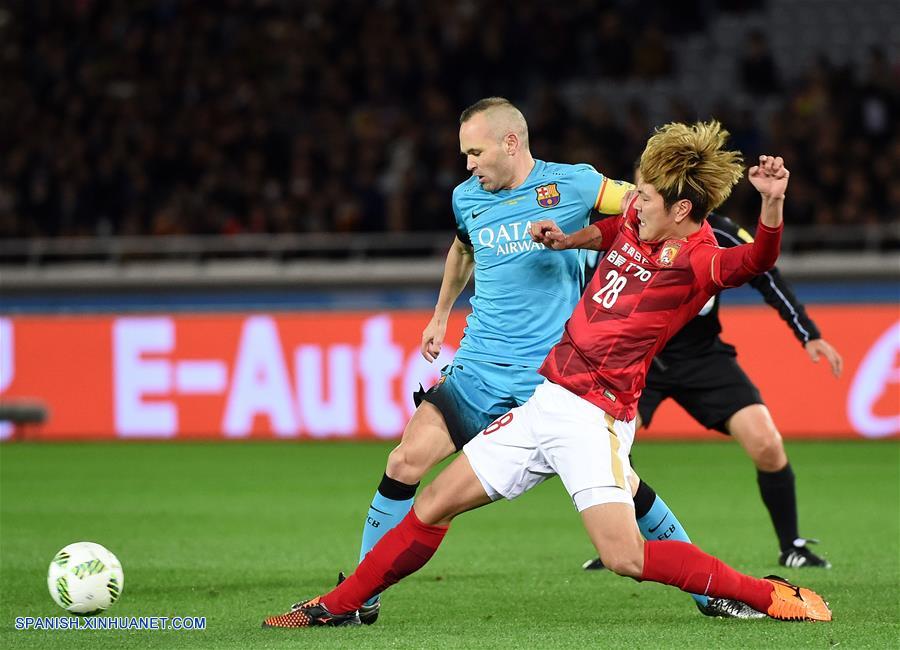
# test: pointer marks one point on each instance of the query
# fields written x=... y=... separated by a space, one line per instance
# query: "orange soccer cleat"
x=792 y=603
x=313 y=613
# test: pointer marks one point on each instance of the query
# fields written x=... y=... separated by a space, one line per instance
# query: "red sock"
x=685 y=566
x=403 y=550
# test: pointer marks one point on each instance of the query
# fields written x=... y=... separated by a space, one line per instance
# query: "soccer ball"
x=85 y=578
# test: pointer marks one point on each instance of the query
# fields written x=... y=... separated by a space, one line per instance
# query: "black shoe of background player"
x=799 y=556
x=727 y=608
x=593 y=565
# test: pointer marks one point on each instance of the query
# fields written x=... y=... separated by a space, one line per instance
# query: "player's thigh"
x=585 y=446
x=615 y=535
x=755 y=430
x=424 y=444
x=455 y=490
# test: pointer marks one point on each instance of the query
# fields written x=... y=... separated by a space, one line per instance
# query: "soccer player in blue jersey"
x=523 y=296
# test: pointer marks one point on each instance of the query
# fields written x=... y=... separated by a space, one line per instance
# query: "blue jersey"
x=524 y=293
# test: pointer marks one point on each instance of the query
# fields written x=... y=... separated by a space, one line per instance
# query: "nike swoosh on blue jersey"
x=653 y=530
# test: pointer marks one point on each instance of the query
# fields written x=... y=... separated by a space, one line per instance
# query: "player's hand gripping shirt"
x=523 y=292
x=640 y=296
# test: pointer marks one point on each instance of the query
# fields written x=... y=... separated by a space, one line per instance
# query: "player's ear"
x=512 y=143
x=682 y=210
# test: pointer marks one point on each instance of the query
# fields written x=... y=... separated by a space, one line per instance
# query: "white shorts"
x=555 y=432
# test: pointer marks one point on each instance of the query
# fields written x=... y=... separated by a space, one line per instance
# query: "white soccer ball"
x=85 y=578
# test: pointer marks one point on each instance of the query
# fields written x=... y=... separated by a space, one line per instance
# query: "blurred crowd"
x=838 y=128
x=181 y=116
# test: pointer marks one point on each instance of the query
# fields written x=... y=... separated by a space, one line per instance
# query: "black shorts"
x=710 y=386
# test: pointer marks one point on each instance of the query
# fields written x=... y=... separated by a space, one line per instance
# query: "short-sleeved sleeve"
x=609 y=228
x=599 y=192
x=462 y=233
x=609 y=196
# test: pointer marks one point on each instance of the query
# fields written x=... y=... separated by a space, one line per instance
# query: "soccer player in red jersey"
x=701 y=372
x=661 y=267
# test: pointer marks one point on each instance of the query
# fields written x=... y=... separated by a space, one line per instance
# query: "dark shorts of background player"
x=710 y=386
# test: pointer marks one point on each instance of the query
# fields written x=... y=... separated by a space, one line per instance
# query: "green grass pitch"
x=235 y=532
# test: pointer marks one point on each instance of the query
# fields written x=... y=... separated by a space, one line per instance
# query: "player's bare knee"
x=401 y=466
x=432 y=509
x=623 y=556
x=768 y=451
x=624 y=563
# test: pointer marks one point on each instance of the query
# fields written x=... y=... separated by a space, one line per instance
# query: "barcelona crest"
x=547 y=195
x=669 y=252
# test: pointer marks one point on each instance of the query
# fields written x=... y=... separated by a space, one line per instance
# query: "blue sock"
x=390 y=505
x=660 y=523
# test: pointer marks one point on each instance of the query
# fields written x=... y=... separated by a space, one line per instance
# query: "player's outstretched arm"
x=457 y=271
x=735 y=266
x=778 y=294
x=770 y=178
x=546 y=232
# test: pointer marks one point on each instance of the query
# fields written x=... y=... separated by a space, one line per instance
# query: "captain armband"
x=610 y=194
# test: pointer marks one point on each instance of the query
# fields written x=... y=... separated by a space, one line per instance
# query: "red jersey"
x=640 y=296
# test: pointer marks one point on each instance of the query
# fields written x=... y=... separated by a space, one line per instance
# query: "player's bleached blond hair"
x=689 y=161
x=503 y=115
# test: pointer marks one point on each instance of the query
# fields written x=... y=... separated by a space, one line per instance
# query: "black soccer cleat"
x=368 y=614
x=312 y=613
x=799 y=556
x=727 y=608
x=593 y=565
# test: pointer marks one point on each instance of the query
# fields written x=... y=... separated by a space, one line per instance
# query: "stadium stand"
x=253 y=140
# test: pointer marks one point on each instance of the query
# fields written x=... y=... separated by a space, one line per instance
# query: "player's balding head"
x=501 y=118
x=493 y=136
